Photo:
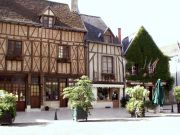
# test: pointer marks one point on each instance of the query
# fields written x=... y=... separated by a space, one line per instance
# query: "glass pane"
x=10 y=47
x=60 y=52
x=45 y=21
x=18 y=49
x=66 y=52
x=103 y=93
x=50 y=21
x=35 y=90
x=51 y=89
x=35 y=80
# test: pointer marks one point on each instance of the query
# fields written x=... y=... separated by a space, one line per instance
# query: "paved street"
x=101 y=122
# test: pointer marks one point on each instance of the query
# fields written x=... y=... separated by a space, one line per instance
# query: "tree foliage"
x=136 y=103
x=177 y=93
x=80 y=95
x=7 y=103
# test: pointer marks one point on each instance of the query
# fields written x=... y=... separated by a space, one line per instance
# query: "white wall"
x=175 y=69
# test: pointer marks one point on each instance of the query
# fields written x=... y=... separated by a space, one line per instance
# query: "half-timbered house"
x=41 y=51
x=105 y=62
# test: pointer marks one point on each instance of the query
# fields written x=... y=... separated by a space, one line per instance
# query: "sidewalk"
x=96 y=114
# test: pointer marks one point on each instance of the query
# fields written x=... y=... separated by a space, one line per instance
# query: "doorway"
x=15 y=84
x=35 y=93
x=115 y=98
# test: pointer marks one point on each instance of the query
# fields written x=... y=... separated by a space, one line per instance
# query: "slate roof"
x=95 y=27
x=126 y=42
x=28 y=12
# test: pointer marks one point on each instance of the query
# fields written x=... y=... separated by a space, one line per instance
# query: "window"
x=134 y=69
x=47 y=21
x=51 y=88
x=150 y=70
x=107 y=64
x=108 y=39
x=48 y=17
x=14 y=49
x=104 y=94
x=63 y=54
x=35 y=89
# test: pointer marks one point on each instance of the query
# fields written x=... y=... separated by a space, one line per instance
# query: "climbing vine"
x=143 y=53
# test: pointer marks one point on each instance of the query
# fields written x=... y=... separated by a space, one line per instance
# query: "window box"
x=108 y=76
x=8 y=57
x=63 y=60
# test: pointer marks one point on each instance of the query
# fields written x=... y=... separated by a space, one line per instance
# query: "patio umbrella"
x=158 y=96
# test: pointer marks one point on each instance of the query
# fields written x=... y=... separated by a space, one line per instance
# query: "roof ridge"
x=55 y=2
x=91 y=15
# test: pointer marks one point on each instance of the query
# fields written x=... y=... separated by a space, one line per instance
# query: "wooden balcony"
x=106 y=78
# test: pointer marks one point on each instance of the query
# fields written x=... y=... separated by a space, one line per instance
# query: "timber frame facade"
x=37 y=61
x=105 y=63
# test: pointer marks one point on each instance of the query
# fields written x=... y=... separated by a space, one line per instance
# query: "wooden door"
x=19 y=89
x=35 y=96
x=115 y=98
x=63 y=102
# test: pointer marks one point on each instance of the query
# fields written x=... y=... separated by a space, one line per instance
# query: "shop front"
x=107 y=95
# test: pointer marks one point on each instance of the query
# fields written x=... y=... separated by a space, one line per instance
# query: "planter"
x=46 y=108
x=79 y=113
x=136 y=114
x=178 y=107
x=6 y=119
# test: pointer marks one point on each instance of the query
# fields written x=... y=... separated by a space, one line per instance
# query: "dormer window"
x=48 y=18
x=108 y=39
x=48 y=21
x=108 y=36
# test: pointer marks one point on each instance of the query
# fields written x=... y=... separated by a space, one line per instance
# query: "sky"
x=159 y=17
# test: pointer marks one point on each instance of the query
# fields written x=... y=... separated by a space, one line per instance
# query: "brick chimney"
x=74 y=6
x=119 y=35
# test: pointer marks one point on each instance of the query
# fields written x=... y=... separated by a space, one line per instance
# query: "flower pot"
x=6 y=119
x=46 y=108
x=79 y=113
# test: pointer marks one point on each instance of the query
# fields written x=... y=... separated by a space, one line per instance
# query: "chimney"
x=119 y=35
x=74 y=6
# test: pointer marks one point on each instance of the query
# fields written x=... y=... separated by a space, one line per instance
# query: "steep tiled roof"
x=28 y=11
x=95 y=27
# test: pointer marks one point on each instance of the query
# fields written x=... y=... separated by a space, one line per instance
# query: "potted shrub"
x=7 y=107
x=135 y=106
x=46 y=108
x=80 y=97
x=177 y=97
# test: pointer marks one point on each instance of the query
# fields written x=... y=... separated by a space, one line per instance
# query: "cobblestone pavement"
x=100 y=122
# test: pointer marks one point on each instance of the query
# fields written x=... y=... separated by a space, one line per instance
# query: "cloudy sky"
x=160 y=17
